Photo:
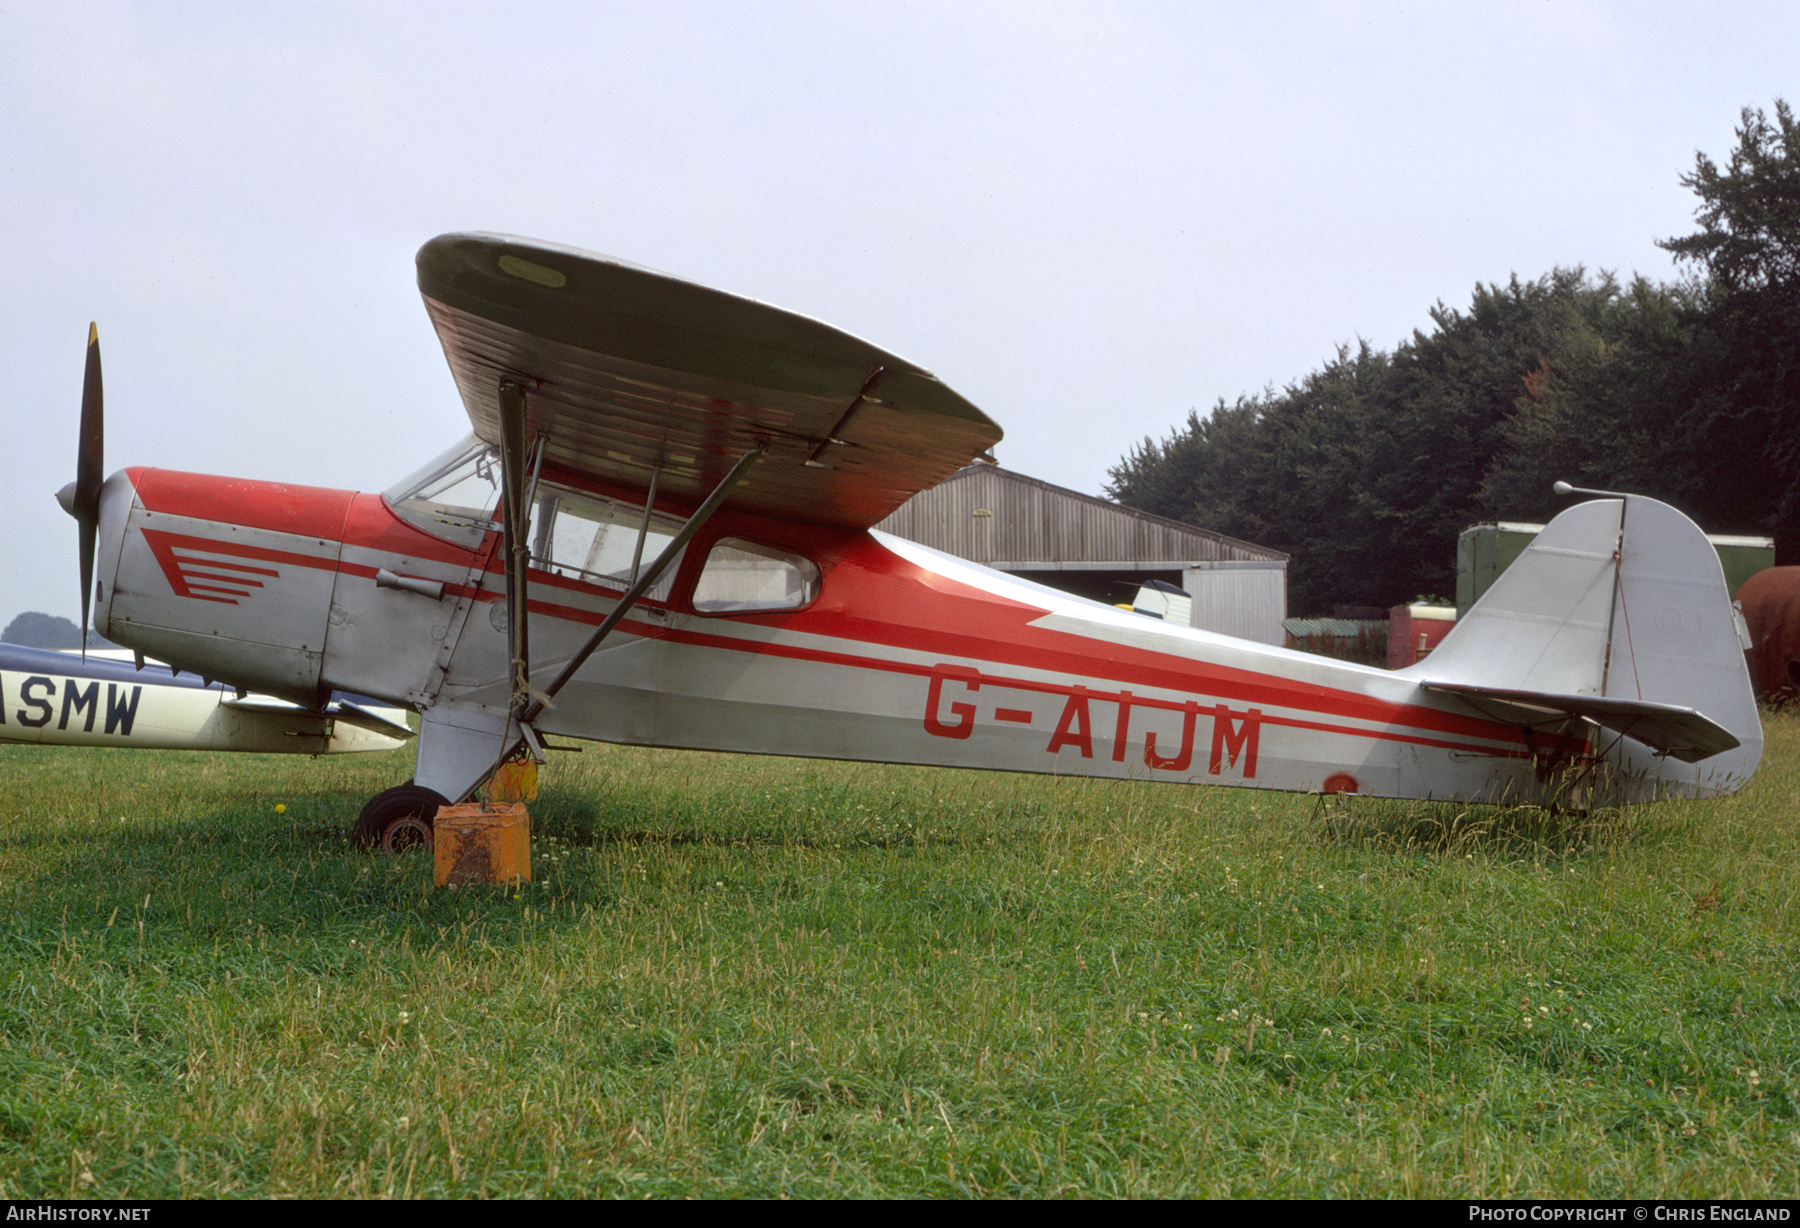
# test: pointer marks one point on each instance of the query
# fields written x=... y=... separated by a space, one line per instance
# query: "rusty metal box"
x=477 y=843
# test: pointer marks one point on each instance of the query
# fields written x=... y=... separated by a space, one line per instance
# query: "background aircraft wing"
x=626 y=369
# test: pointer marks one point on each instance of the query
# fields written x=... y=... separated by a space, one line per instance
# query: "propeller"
x=81 y=498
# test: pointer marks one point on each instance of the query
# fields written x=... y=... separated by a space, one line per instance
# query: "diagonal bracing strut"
x=516 y=493
x=645 y=580
x=517 y=489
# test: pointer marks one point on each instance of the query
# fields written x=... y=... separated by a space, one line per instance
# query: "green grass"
x=764 y=977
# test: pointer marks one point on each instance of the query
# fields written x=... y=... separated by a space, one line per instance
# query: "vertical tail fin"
x=1618 y=613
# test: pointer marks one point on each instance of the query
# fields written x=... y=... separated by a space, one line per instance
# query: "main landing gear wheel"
x=397 y=819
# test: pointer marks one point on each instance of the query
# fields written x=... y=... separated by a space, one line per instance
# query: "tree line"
x=1365 y=470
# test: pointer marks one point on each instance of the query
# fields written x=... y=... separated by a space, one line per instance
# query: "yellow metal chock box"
x=482 y=843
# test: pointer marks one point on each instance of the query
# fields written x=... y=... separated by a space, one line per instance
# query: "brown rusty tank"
x=1771 y=604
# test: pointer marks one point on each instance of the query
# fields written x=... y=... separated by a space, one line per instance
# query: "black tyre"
x=397 y=819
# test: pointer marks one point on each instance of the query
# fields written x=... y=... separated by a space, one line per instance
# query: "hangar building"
x=1093 y=548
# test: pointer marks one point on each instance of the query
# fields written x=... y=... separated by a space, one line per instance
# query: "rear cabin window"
x=742 y=576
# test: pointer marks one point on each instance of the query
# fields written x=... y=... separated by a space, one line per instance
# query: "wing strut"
x=649 y=576
x=537 y=701
x=516 y=492
x=637 y=551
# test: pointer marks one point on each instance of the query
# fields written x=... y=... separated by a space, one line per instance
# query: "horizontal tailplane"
x=1688 y=735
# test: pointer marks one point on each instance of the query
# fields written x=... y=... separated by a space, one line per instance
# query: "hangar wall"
x=1091 y=547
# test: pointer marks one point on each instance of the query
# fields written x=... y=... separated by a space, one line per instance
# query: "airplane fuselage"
x=895 y=653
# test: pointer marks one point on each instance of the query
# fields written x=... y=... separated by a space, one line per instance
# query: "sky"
x=1087 y=218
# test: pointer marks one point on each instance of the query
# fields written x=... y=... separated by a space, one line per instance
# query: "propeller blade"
x=89 y=474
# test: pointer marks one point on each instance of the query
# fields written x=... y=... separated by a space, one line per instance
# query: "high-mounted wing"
x=627 y=370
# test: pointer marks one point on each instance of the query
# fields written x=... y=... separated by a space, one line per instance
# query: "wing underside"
x=628 y=371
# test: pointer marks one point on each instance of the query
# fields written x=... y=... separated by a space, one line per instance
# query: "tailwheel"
x=398 y=819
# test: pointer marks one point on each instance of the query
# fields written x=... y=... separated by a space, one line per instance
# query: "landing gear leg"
x=397 y=819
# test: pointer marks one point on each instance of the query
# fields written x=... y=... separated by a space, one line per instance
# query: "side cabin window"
x=597 y=540
x=741 y=576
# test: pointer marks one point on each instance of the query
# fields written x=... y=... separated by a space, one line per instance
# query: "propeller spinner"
x=81 y=498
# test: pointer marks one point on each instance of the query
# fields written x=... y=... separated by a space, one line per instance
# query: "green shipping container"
x=1483 y=551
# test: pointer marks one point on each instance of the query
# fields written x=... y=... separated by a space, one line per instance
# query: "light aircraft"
x=660 y=534
x=96 y=699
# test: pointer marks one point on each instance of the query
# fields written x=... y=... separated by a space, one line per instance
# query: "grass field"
x=766 y=977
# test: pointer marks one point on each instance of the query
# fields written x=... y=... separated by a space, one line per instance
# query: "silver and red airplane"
x=660 y=533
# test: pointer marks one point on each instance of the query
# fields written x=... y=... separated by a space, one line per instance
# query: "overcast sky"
x=1086 y=218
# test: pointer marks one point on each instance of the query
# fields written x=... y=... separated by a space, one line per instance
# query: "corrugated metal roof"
x=1003 y=519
